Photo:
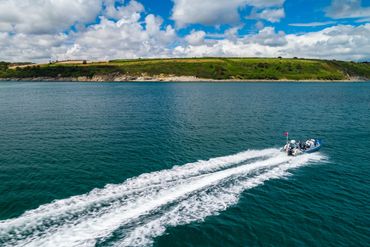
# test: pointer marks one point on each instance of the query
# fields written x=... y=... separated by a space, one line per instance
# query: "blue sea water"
x=183 y=164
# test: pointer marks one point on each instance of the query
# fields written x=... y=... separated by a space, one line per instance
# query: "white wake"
x=141 y=208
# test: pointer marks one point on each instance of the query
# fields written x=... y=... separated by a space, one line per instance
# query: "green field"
x=207 y=68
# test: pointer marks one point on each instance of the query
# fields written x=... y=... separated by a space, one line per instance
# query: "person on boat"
x=294 y=148
x=291 y=147
x=313 y=142
x=293 y=144
x=286 y=147
x=308 y=144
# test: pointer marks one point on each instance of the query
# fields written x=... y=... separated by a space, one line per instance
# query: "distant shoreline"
x=191 y=70
x=107 y=79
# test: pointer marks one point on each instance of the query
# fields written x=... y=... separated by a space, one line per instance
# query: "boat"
x=294 y=148
x=315 y=148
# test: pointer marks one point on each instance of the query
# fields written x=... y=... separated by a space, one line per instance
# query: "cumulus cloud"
x=121 y=32
x=122 y=39
x=341 y=42
x=344 y=42
x=122 y=11
x=54 y=16
x=347 y=9
x=31 y=47
x=196 y=37
x=207 y=12
x=46 y=16
x=125 y=30
x=265 y=43
x=268 y=37
x=212 y=13
x=271 y=15
x=110 y=39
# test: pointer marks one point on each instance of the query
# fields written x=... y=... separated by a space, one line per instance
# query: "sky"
x=43 y=30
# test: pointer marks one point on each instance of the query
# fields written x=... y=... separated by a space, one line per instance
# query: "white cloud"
x=31 y=47
x=207 y=12
x=265 y=3
x=271 y=15
x=122 y=11
x=46 y=16
x=54 y=16
x=212 y=13
x=110 y=40
x=339 y=42
x=260 y=25
x=268 y=37
x=265 y=43
x=5 y=27
x=195 y=37
x=126 y=37
x=312 y=24
x=347 y=9
x=363 y=20
x=127 y=31
x=232 y=33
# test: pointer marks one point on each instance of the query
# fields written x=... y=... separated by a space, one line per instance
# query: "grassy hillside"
x=208 y=68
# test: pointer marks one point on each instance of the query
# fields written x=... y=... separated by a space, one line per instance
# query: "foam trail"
x=134 y=185
x=201 y=205
x=144 y=182
x=86 y=219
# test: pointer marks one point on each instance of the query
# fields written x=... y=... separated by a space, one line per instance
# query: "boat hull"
x=314 y=149
x=298 y=152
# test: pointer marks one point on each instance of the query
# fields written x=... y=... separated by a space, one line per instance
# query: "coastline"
x=191 y=70
x=110 y=78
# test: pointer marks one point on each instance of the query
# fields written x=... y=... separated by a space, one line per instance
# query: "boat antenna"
x=287 y=137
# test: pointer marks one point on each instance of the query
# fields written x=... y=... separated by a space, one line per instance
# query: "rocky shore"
x=160 y=78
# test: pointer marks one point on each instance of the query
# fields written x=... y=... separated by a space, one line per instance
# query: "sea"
x=183 y=164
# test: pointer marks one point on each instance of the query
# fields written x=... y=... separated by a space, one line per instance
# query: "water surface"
x=59 y=140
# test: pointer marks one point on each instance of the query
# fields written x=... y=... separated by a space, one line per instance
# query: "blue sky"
x=39 y=30
x=296 y=11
